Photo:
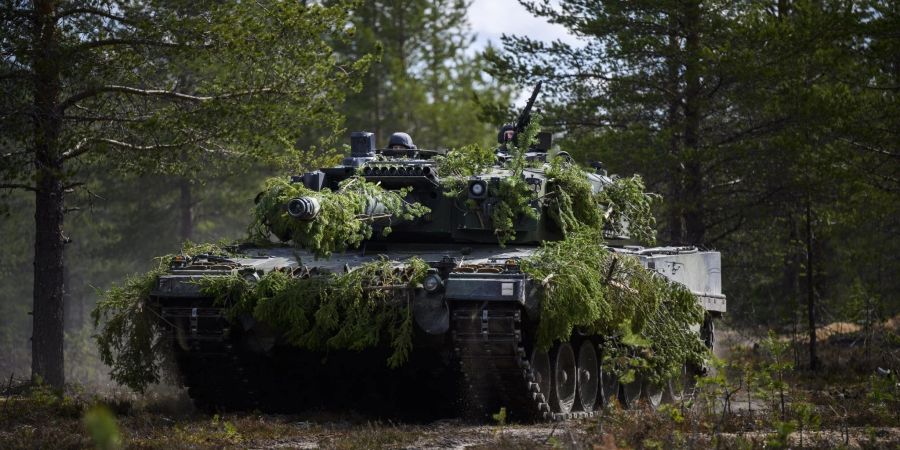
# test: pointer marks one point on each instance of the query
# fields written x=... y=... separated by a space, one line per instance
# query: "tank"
x=473 y=306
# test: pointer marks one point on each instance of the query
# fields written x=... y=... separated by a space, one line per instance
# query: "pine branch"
x=83 y=147
x=18 y=186
x=83 y=95
x=94 y=12
x=134 y=42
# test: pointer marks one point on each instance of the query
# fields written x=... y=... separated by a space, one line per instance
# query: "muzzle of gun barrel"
x=304 y=208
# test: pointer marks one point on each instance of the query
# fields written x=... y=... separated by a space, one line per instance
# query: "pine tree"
x=425 y=83
x=144 y=84
x=638 y=90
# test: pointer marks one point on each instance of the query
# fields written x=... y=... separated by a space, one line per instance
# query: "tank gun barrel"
x=304 y=208
x=308 y=208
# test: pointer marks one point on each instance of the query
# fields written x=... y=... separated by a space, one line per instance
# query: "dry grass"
x=847 y=405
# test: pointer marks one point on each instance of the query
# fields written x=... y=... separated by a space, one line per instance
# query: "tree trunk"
x=793 y=264
x=810 y=289
x=695 y=228
x=47 y=338
x=186 y=209
x=674 y=200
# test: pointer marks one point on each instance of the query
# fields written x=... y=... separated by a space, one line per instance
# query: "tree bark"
x=810 y=289
x=186 y=208
x=793 y=264
x=695 y=228
x=674 y=200
x=48 y=323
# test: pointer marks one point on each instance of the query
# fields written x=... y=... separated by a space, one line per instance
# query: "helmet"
x=501 y=136
x=401 y=139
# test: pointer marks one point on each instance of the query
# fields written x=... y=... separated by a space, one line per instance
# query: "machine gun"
x=525 y=116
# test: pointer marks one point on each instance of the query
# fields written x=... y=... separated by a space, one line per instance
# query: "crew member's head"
x=401 y=141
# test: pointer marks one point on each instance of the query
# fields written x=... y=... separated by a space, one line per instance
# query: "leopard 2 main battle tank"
x=474 y=302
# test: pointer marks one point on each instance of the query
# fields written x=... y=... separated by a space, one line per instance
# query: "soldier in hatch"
x=401 y=141
x=505 y=136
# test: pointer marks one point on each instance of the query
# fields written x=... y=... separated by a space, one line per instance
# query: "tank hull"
x=474 y=348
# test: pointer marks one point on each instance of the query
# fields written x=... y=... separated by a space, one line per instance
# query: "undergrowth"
x=758 y=399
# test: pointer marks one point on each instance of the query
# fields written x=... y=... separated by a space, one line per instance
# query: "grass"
x=838 y=407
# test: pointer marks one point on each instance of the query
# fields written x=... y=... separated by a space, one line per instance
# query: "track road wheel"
x=609 y=387
x=588 y=376
x=653 y=393
x=565 y=376
x=630 y=393
x=540 y=366
x=708 y=333
x=681 y=386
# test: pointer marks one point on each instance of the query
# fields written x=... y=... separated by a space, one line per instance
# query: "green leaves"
x=466 y=161
x=628 y=209
x=621 y=209
x=571 y=202
x=129 y=330
x=646 y=317
x=423 y=82
x=129 y=326
x=347 y=217
x=515 y=202
x=364 y=308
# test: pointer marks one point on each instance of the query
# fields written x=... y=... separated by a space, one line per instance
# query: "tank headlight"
x=432 y=283
x=477 y=189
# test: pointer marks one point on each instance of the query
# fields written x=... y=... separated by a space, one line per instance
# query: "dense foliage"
x=769 y=127
x=129 y=326
x=363 y=308
x=366 y=307
x=645 y=317
x=622 y=208
x=465 y=161
x=342 y=222
x=570 y=201
x=154 y=87
x=628 y=209
x=130 y=338
x=425 y=81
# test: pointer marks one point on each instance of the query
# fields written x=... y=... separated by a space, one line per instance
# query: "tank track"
x=493 y=361
x=217 y=376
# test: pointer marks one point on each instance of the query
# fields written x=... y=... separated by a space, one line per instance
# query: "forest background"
x=770 y=128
